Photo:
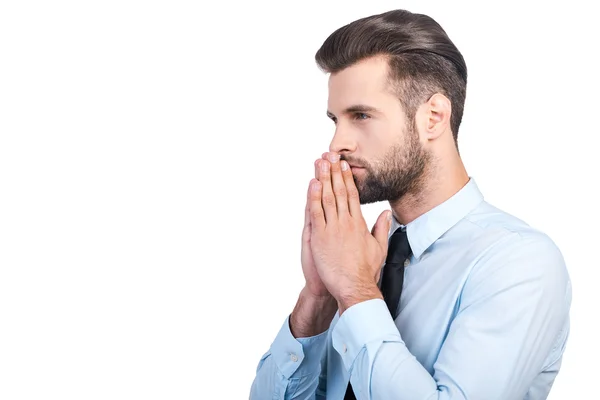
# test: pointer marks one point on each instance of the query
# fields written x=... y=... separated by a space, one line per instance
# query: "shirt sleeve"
x=511 y=325
x=291 y=368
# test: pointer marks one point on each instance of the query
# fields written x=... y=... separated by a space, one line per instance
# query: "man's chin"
x=365 y=197
x=368 y=194
x=368 y=201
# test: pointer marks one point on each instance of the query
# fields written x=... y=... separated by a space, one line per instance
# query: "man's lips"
x=352 y=165
x=356 y=170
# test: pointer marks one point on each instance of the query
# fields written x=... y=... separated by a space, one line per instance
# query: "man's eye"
x=361 y=116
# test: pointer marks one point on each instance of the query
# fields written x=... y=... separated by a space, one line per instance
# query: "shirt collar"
x=429 y=227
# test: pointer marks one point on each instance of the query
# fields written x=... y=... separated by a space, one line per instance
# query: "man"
x=471 y=302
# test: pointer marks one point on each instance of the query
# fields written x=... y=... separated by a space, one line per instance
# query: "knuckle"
x=316 y=213
x=328 y=199
x=352 y=193
x=340 y=191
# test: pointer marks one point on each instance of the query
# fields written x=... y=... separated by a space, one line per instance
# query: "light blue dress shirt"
x=484 y=314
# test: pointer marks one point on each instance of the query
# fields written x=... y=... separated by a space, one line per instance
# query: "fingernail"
x=334 y=157
x=324 y=166
x=344 y=166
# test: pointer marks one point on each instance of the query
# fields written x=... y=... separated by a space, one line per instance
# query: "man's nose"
x=344 y=141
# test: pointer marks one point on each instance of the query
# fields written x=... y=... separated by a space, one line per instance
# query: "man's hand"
x=347 y=256
x=314 y=285
x=316 y=306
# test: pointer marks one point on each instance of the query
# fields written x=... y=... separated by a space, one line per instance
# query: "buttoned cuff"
x=291 y=354
x=368 y=323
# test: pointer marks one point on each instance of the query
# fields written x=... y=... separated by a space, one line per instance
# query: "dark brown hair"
x=422 y=58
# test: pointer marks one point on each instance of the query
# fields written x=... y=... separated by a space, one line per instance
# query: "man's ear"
x=433 y=116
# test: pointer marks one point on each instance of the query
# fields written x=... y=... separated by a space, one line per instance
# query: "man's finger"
x=338 y=185
x=327 y=196
x=351 y=191
x=381 y=229
x=307 y=208
x=317 y=216
x=316 y=169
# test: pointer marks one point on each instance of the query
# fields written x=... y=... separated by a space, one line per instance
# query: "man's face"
x=372 y=133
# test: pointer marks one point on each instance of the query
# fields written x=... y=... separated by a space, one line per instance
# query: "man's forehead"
x=370 y=73
x=365 y=82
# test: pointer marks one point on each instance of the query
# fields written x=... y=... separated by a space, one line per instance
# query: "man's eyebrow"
x=354 y=109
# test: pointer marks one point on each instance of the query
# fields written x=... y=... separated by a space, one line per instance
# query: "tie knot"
x=399 y=248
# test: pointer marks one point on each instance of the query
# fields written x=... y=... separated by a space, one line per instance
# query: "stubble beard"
x=399 y=172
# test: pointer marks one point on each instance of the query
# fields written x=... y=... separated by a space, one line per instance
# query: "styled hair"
x=421 y=57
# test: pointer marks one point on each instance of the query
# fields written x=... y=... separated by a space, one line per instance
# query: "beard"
x=400 y=171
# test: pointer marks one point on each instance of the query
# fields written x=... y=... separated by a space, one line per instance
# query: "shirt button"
x=293 y=357
x=344 y=348
x=407 y=262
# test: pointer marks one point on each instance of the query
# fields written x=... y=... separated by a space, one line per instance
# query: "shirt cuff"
x=291 y=354
x=365 y=323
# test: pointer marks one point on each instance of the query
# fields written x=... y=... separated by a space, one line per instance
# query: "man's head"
x=396 y=94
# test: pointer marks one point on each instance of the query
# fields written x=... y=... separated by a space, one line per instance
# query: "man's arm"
x=293 y=365
x=513 y=315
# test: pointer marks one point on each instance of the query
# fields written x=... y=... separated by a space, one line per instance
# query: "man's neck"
x=437 y=186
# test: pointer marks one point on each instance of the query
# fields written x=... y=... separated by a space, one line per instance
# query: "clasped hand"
x=347 y=256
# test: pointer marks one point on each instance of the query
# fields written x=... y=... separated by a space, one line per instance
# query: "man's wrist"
x=312 y=315
x=358 y=294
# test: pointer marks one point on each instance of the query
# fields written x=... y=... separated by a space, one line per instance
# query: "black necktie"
x=393 y=278
x=393 y=271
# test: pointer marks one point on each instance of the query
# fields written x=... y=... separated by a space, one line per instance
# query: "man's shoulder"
x=487 y=219
x=502 y=239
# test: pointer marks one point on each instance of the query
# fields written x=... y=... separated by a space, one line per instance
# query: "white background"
x=154 y=159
